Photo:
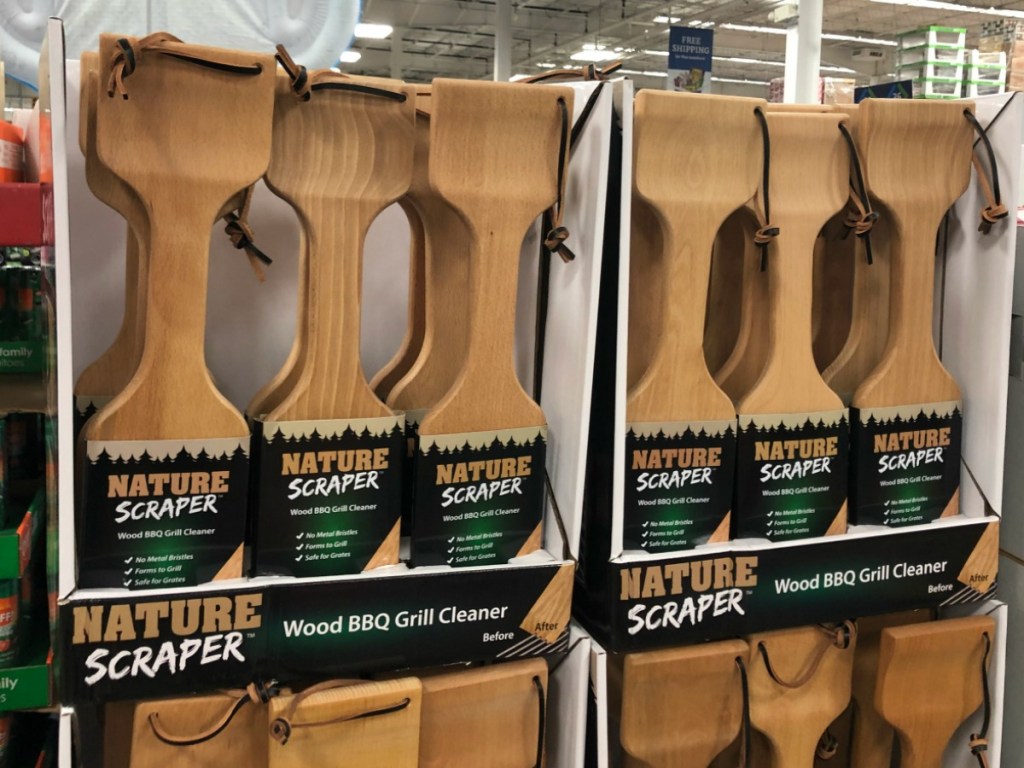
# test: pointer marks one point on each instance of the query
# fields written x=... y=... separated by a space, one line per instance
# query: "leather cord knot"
x=994 y=210
x=298 y=73
x=127 y=57
x=242 y=236
x=828 y=746
x=555 y=242
x=990 y=214
x=861 y=218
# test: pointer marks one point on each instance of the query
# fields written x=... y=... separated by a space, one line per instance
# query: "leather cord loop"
x=304 y=82
x=255 y=694
x=995 y=210
x=587 y=74
x=862 y=218
x=129 y=55
x=541 y=721
x=242 y=236
x=979 y=741
x=283 y=726
x=767 y=231
x=554 y=239
x=747 y=735
x=840 y=637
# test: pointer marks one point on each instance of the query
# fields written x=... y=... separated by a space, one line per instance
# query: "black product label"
x=146 y=645
x=162 y=513
x=661 y=602
x=479 y=497
x=678 y=484
x=413 y=417
x=791 y=475
x=906 y=464
x=85 y=407
x=328 y=495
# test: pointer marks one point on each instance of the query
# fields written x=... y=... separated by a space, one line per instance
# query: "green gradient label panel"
x=678 y=483
x=161 y=513
x=906 y=464
x=667 y=601
x=479 y=496
x=327 y=495
x=791 y=475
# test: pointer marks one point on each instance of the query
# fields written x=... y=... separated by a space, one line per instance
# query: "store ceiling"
x=455 y=38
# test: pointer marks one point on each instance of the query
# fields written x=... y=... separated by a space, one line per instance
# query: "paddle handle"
x=493 y=279
x=685 y=290
x=872 y=739
x=335 y=287
x=176 y=288
x=927 y=754
x=790 y=291
x=793 y=754
x=911 y=293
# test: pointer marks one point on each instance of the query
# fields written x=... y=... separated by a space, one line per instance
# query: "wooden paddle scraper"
x=791 y=464
x=681 y=707
x=498 y=709
x=799 y=683
x=498 y=156
x=170 y=414
x=930 y=681
x=907 y=412
x=689 y=187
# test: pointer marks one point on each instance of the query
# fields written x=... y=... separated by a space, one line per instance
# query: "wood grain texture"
x=488 y=717
x=270 y=395
x=494 y=152
x=242 y=742
x=681 y=707
x=929 y=682
x=646 y=297
x=899 y=143
x=801 y=204
x=869 y=314
x=113 y=369
x=183 y=186
x=722 y=324
x=381 y=741
x=409 y=349
x=794 y=719
x=873 y=739
x=747 y=354
x=442 y=350
x=339 y=159
x=691 y=185
x=834 y=260
x=549 y=615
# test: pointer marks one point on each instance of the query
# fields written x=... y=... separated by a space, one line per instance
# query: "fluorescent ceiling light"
x=593 y=54
x=666 y=19
x=825 y=36
x=752 y=28
x=351 y=57
x=374 y=31
x=656 y=53
x=844 y=70
x=738 y=80
x=936 y=5
x=701 y=24
x=517 y=78
x=546 y=65
x=856 y=39
x=741 y=60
